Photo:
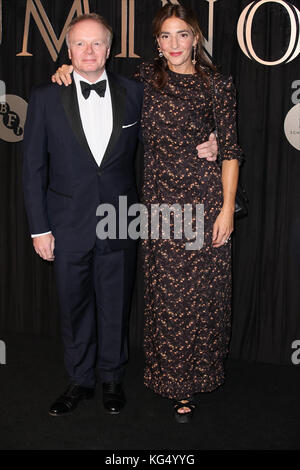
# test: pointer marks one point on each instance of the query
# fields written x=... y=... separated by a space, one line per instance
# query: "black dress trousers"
x=95 y=290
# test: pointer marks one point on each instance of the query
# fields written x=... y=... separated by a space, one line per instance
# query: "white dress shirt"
x=96 y=117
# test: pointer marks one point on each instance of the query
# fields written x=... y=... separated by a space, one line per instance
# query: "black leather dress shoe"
x=113 y=397
x=69 y=400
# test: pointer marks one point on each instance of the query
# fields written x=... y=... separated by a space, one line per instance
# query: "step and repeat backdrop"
x=258 y=43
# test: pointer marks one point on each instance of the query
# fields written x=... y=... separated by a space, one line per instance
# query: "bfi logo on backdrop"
x=13 y=110
x=292 y=120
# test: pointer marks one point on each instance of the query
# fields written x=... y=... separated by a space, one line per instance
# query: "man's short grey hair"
x=91 y=16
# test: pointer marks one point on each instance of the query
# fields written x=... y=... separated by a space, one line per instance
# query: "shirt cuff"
x=39 y=234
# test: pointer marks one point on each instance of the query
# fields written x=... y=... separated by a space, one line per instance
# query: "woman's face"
x=176 y=41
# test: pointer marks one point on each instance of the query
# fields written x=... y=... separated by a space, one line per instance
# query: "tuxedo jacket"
x=63 y=184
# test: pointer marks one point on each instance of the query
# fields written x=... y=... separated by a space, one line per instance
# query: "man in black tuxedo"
x=79 y=148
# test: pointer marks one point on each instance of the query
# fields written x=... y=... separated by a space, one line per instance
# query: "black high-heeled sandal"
x=186 y=416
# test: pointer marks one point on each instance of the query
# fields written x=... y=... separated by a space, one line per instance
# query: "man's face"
x=88 y=48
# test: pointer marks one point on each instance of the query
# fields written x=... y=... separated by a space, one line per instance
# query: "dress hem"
x=201 y=389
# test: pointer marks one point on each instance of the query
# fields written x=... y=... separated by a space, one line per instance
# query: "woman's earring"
x=194 y=61
x=160 y=52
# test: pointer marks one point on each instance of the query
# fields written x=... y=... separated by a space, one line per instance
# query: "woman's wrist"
x=228 y=208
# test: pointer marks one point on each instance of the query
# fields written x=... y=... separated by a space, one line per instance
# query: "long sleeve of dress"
x=224 y=97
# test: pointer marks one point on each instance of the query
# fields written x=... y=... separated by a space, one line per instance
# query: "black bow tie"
x=99 y=88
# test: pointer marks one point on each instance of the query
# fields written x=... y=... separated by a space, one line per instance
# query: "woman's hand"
x=223 y=227
x=63 y=75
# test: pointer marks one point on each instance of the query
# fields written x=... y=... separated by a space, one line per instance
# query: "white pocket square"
x=129 y=125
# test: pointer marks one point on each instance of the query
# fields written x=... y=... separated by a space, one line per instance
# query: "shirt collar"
x=78 y=78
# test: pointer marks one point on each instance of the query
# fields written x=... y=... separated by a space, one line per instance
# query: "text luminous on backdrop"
x=244 y=32
x=35 y=9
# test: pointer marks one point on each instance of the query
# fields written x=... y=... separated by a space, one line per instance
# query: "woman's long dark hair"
x=187 y=15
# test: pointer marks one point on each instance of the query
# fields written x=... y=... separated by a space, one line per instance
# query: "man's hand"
x=44 y=246
x=63 y=75
x=209 y=149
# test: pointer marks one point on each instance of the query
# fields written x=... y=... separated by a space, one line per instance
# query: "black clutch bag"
x=241 y=199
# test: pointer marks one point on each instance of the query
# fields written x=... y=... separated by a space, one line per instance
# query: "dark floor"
x=257 y=408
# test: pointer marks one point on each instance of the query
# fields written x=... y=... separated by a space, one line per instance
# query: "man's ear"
x=107 y=53
x=69 y=54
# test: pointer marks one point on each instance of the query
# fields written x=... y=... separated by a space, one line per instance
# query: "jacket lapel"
x=70 y=104
x=118 y=101
x=71 y=107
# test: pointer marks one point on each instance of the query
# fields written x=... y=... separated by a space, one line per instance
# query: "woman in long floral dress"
x=188 y=292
